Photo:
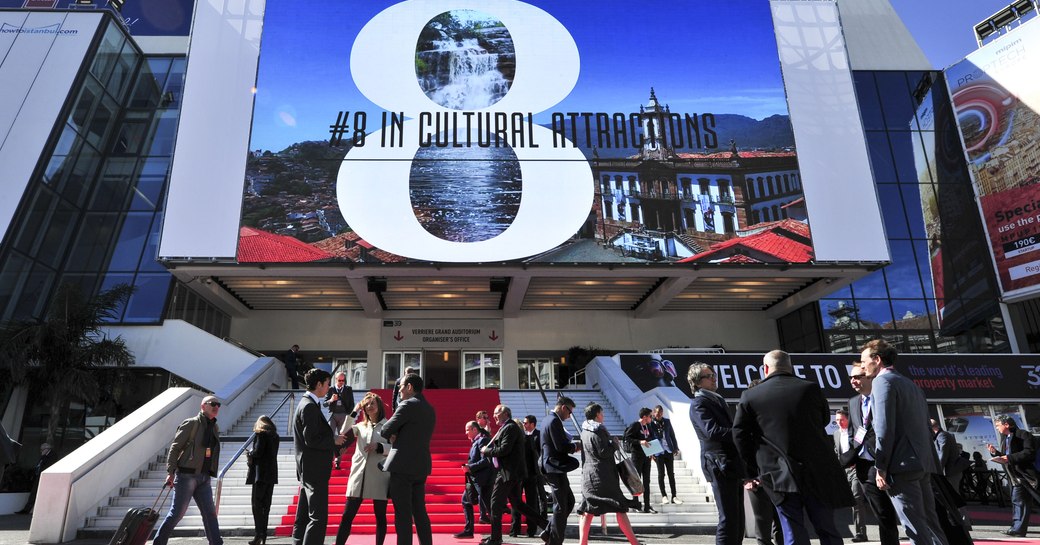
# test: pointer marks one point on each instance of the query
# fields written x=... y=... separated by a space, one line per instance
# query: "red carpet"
x=445 y=485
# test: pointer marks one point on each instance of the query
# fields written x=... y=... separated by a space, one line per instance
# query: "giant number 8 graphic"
x=373 y=182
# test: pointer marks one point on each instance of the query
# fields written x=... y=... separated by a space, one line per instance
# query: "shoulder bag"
x=627 y=472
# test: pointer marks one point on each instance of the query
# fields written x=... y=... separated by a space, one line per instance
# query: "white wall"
x=844 y=213
x=534 y=330
x=187 y=351
x=877 y=39
x=37 y=70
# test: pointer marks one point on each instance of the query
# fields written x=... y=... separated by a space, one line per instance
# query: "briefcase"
x=139 y=522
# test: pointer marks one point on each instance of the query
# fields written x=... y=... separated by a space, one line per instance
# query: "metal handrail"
x=241 y=345
x=538 y=382
x=220 y=477
x=573 y=381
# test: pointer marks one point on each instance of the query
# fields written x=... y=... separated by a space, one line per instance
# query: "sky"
x=943 y=28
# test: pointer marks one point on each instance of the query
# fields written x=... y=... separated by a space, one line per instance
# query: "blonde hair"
x=380 y=408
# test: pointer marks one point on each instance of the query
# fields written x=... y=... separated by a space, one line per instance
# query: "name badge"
x=861 y=433
x=209 y=452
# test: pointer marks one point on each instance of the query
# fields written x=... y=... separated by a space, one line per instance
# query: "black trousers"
x=563 y=504
x=312 y=514
x=502 y=492
x=665 y=465
x=643 y=467
x=767 y=520
x=347 y=521
x=409 y=496
x=475 y=494
x=261 y=503
x=533 y=498
x=879 y=502
x=729 y=499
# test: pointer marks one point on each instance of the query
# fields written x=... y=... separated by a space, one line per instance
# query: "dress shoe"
x=514 y=533
x=859 y=538
x=464 y=534
x=485 y=520
x=676 y=500
x=649 y=509
x=532 y=533
x=489 y=541
x=1013 y=533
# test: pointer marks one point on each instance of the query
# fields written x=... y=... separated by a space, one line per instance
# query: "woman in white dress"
x=366 y=480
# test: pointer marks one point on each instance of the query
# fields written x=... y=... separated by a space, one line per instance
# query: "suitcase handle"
x=168 y=490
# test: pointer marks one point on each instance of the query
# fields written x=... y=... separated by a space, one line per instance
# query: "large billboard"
x=996 y=98
x=473 y=131
x=141 y=17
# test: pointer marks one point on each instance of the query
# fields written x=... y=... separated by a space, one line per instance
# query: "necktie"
x=866 y=410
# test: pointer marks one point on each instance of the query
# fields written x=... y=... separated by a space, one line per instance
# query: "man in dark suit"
x=531 y=485
x=904 y=457
x=861 y=457
x=340 y=401
x=508 y=446
x=479 y=473
x=951 y=465
x=292 y=368
x=395 y=398
x=1017 y=453
x=720 y=461
x=315 y=443
x=637 y=435
x=409 y=462
x=557 y=461
x=665 y=460
x=843 y=444
x=779 y=432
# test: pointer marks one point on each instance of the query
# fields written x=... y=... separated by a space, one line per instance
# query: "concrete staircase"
x=235 y=513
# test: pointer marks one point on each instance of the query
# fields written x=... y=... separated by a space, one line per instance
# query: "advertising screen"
x=484 y=131
x=141 y=17
x=996 y=98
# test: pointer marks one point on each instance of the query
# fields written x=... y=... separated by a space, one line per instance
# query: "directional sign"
x=442 y=334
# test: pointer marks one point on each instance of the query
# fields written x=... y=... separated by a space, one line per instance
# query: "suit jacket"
x=314 y=441
x=412 y=423
x=864 y=467
x=666 y=434
x=946 y=450
x=344 y=401
x=837 y=442
x=508 y=446
x=533 y=453
x=779 y=432
x=1022 y=456
x=633 y=435
x=714 y=427
x=480 y=467
x=556 y=444
x=900 y=417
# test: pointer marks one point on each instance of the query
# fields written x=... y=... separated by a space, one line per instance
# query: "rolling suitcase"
x=138 y=523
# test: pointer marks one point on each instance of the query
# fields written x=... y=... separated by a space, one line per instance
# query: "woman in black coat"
x=600 y=485
x=263 y=475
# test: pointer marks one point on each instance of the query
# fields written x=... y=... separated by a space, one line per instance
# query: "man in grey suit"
x=315 y=447
x=904 y=456
x=409 y=461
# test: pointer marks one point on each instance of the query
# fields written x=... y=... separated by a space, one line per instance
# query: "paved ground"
x=989 y=521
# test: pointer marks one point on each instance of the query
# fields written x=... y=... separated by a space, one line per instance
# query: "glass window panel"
x=171 y=95
x=903 y=150
x=60 y=227
x=113 y=189
x=150 y=182
x=12 y=274
x=76 y=186
x=391 y=368
x=902 y=276
x=841 y=344
x=145 y=94
x=66 y=141
x=95 y=235
x=838 y=314
x=132 y=237
x=869 y=104
x=896 y=104
x=911 y=314
x=881 y=161
x=164 y=135
x=151 y=249
x=841 y=293
x=87 y=282
x=921 y=343
x=107 y=53
x=874 y=312
x=892 y=211
x=914 y=213
x=870 y=286
x=122 y=72
x=89 y=95
x=146 y=304
x=34 y=292
x=111 y=281
x=101 y=122
x=492 y=370
x=925 y=265
x=32 y=226
x=133 y=133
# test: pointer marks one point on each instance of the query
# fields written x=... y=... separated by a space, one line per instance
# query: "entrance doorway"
x=441 y=369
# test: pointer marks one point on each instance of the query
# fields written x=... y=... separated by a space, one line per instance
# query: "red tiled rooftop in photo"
x=784 y=241
x=744 y=154
x=348 y=246
x=256 y=246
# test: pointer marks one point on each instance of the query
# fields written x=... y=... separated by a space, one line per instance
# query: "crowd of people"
x=886 y=456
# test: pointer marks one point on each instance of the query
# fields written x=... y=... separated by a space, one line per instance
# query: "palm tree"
x=59 y=355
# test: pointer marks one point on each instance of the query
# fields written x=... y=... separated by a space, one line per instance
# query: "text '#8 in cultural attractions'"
x=498 y=131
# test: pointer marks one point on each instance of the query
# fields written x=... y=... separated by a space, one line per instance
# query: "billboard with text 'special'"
x=476 y=131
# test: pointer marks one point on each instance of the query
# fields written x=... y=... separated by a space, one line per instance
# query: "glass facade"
x=939 y=293
x=93 y=211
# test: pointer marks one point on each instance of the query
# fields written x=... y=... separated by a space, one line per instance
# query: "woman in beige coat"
x=366 y=480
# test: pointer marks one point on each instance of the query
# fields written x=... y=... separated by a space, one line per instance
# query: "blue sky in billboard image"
x=695 y=67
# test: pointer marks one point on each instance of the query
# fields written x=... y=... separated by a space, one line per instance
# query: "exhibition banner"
x=941 y=376
x=996 y=97
x=477 y=131
x=141 y=17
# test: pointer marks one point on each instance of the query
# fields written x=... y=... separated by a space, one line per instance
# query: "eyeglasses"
x=858 y=377
x=711 y=376
x=213 y=403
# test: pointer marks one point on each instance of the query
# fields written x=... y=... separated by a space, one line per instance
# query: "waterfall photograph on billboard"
x=500 y=131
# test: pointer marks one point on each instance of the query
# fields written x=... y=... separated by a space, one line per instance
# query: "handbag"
x=627 y=472
x=563 y=464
